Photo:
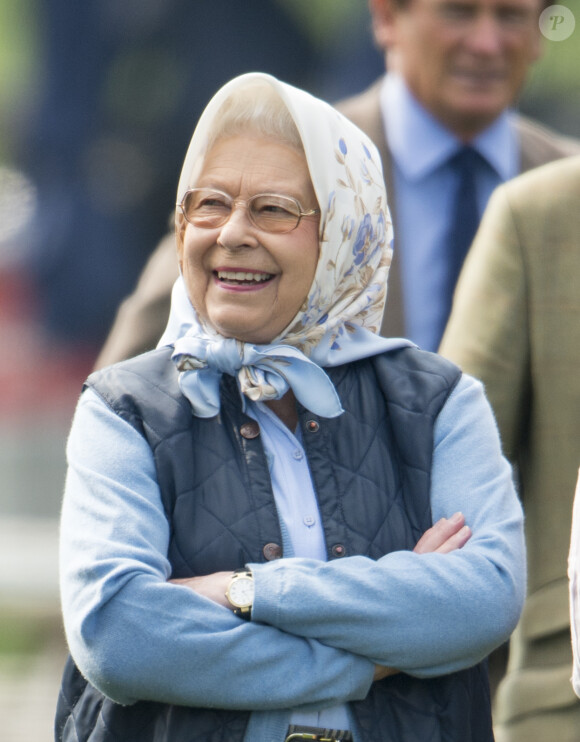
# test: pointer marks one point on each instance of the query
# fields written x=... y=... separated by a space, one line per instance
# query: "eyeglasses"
x=209 y=208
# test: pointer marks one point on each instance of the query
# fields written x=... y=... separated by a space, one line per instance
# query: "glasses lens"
x=274 y=213
x=206 y=208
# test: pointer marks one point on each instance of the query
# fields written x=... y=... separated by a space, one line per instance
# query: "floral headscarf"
x=339 y=320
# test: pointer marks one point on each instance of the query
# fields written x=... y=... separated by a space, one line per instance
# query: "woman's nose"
x=238 y=231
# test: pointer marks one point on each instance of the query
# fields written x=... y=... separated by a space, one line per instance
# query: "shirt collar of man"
x=420 y=144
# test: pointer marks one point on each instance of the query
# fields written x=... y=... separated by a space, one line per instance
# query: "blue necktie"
x=464 y=217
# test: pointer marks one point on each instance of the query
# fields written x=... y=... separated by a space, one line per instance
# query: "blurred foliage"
x=23 y=633
x=327 y=19
x=559 y=68
x=552 y=93
x=19 y=63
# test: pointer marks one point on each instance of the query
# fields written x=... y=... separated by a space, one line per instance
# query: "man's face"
x=464 y=60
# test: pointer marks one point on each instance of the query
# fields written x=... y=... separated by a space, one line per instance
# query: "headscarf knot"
x=263 y=372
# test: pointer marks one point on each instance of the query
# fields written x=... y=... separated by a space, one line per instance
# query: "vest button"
x=272 y=551
x=338 y=550
x=250 y=430
x=312 y=426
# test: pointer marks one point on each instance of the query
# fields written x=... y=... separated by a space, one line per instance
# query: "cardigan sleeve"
x=135 y=636
x=425 y=614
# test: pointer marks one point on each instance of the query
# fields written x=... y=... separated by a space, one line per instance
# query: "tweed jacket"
x=515 y=324
x=143 y=315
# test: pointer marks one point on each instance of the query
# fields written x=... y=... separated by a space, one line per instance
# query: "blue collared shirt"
x=300 y=520
x=425 y=186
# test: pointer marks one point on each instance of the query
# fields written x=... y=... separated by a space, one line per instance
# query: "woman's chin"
x=239 y=328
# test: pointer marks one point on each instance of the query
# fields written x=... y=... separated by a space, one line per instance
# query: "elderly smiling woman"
x=264 y=526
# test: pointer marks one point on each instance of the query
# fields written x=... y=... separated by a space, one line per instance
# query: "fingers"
x=446 y=535
x=457 y=541
x=212 y=586
x=383 y=672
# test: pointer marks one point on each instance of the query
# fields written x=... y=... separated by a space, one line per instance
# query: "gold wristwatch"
x=240 y=593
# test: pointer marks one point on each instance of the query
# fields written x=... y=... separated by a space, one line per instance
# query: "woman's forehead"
x=251 y=160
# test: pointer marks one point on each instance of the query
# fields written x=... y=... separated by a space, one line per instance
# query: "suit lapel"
x=364 y=110
x=539 y=145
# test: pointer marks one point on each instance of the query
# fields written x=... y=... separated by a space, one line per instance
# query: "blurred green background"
x=552 y=93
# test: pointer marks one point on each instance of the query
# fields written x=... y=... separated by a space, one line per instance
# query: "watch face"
x=241 y=591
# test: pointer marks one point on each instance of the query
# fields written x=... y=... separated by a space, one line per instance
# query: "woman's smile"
x=242 y=278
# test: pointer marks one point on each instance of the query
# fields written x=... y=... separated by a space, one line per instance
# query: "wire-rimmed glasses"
x=210 y=208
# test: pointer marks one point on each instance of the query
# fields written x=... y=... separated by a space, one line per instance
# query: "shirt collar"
x=419 y=143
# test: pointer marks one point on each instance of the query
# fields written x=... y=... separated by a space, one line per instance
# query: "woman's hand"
x=446 y=535
x=212 y=586
x=383 y=672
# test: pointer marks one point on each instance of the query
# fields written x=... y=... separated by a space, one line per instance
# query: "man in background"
x=443 y=120
x=515 y=325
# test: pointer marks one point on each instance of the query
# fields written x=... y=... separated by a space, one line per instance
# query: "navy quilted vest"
x=371 y=471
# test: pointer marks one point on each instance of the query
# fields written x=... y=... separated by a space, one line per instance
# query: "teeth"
x=242 y=276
